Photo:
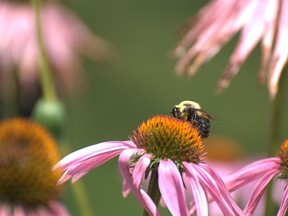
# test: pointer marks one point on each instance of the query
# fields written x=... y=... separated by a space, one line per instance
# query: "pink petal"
x=268 y=37
x=125 y=189
x=91 y=151
x=211 y=32
x=251 y=32
x=140 y=169
x=140 y=194
x=217 y=192
x=280 y=54
x=5 y=210
x=258 y=192
x=250 y=37
x=251 y=172
x=284 y=204
x=222 y=188
x=19 y=211
x=199 y=195
x=172 y=188
x=82 y=161
x=58 y=209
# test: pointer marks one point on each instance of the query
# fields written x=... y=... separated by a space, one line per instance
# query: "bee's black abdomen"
x=204 y=127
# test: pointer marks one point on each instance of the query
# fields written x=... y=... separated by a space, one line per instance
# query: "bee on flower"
x=170 y=154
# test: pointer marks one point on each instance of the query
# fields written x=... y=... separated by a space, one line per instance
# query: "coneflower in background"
x=65 y=39
x=216 y=23
x=28 y=186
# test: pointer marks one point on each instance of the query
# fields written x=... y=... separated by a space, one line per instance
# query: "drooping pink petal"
x=284 y=204
x=268 y=38
x=125 y=189
x=258 y=192
x=222 y=188
x=82 y=168
x=140 y=194
x=140 y=169
x=251 y=35
x=91 y=151
x=199 y=195
x=251 y=172
x=80 y=162
x=172 y=188
x=280 y=54
x=216 y=191
x=211 y=32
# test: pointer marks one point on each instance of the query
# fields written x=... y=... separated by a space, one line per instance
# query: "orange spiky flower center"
x=166 y=137
x=27 y=155
x=283 y=155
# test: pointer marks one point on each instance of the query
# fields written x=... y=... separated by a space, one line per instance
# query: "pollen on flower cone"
x=170 y=138
x=283 y=153
x=27 y=154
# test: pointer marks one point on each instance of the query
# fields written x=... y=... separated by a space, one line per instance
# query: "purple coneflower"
x=220 y=20
x=263 y=171
x=65 y=38
x=167 y=152
x=28 y=186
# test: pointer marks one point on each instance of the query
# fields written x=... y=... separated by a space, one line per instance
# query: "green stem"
x=277 y=111
x=153 y=189
x=82 y=199
x=79 y=191
x=44 y=69
x=49 y=94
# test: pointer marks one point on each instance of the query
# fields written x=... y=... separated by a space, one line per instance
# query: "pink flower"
x=263 y=171
x=65 y=38
x=220 y=20
x=169 y=153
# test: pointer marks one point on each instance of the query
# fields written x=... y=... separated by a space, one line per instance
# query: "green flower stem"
x=44 y=69
x=49 y=94
x=277 y=111
x=153 y=189
x=78 y=189
x=82 y=200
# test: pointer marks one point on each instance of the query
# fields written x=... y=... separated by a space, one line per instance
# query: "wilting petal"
x=140 y=194
x=258 y=193
x=199 y=195
x=284 y=204
x=172 y=188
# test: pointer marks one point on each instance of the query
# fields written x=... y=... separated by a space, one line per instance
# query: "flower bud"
x=51 y=114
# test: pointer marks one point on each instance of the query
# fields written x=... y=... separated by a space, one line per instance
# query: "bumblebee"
x=192 y=112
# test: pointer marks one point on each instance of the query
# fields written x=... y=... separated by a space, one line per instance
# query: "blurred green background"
x=141 y=82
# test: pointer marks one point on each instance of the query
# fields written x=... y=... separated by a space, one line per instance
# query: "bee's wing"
x=205 y=114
